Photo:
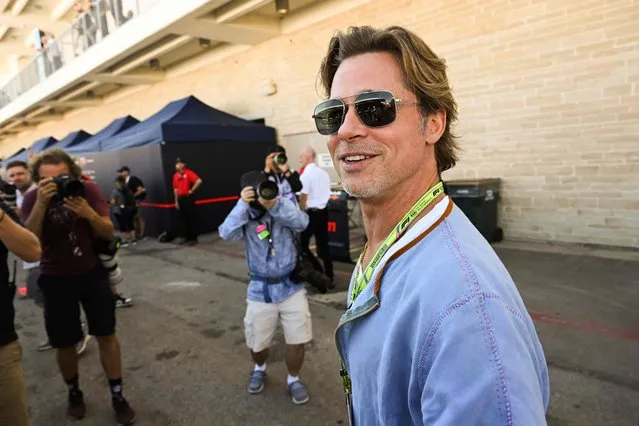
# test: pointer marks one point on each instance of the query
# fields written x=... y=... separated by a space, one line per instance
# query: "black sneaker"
x=76 y=409
x=124 y=414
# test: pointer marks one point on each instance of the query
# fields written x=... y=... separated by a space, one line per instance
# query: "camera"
x=9 y=193
x=68 y=186
x=281 y=158
x=265 y=188
x=268 y=190
x=107 y=253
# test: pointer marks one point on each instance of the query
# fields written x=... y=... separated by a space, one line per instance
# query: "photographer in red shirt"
x=185 y=183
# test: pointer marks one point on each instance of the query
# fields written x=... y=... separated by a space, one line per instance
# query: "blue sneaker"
x=256 y=381
x=299 y=392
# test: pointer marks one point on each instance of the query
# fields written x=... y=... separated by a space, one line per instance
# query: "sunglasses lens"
x=377 y=109
x=329 y=116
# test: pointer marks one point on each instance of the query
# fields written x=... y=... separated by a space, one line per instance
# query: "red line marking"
x=198 y=202
x=217 y=200
x=158 y=205
x=590 y=328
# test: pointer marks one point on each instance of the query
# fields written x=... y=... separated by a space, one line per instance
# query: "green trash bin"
x=478 y=199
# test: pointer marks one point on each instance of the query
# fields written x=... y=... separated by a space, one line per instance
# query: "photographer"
x=276 y=166
x=13 y=391
x=267 y=222
x=71 y=217
x=18 y=174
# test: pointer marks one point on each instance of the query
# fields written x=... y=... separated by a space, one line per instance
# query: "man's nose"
x=352 y=126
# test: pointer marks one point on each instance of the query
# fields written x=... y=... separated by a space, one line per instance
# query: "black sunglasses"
x=374 y=109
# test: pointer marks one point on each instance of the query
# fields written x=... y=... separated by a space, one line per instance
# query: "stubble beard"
x=367 y=187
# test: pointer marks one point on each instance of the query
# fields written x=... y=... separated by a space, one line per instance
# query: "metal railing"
x=101 y=18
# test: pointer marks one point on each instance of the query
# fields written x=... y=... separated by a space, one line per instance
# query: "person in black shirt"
x=136 y=186
x=25 y=245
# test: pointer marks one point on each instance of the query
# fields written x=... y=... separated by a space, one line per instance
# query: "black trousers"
x=186 y=204
x=318 y=227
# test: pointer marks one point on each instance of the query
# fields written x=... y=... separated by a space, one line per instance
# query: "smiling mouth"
x=356 y=158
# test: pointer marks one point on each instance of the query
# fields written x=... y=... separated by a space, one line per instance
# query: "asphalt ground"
x=186 y=363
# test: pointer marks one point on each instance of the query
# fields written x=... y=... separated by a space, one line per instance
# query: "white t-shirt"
x=316 y=184
x=19 y=200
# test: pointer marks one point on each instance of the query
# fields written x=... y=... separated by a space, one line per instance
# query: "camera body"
x=9 y=193
x=263 y=187
x=67 y=187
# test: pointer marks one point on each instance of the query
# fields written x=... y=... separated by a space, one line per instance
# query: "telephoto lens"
x=107 y=253
x=281 y=158
x=268 y=190
x=110 y=262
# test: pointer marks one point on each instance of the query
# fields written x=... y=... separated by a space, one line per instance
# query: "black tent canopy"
x=218 y=146
x=73 y=139
x=94 y=143
x=38 y=146
x=189 y=119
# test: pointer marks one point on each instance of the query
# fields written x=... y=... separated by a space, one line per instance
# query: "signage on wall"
x=324 y=160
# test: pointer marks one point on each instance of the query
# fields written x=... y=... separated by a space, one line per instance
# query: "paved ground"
x=186 y=362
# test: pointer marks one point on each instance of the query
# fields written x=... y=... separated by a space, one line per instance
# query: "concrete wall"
x=548 y=94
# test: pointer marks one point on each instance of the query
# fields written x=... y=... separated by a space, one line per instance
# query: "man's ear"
x=434 y=125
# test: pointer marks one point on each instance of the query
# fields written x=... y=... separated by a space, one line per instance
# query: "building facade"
x=548 y=95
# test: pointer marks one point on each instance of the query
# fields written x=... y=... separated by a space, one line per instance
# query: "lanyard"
x=362 y=280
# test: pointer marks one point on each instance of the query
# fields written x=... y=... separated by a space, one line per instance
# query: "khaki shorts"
x=13 y=391
x=260 y=322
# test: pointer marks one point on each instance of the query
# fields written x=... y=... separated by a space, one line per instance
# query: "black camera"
x=9 y=193
x=281 y=158
x=265 y=188
x=68 y=187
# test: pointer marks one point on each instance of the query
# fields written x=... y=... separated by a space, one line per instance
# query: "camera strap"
x=264 y=231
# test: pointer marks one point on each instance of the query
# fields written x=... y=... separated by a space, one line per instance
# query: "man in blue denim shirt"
x=435 y=332
x=268 y=228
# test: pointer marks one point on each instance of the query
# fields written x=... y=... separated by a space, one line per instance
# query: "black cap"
x=124 y=169
x=252 y=178
x=179 y=160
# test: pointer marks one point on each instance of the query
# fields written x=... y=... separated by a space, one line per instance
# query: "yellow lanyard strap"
x=362 y=280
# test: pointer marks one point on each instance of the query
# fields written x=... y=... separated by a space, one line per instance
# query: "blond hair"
x=423 y=71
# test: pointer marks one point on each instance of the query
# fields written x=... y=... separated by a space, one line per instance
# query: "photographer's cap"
x=179 y=160
x=252 y=178
x=124 y=169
